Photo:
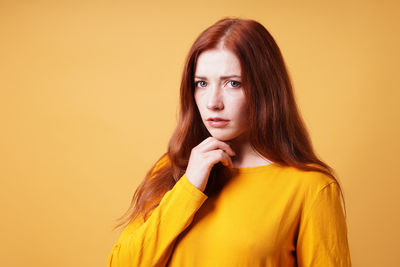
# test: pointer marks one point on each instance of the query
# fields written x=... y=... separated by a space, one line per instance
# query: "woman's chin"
x=229 y=136
x=222 y=137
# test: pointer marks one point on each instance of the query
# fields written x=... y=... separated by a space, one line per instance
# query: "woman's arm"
x=151 y=243
x=322 y=239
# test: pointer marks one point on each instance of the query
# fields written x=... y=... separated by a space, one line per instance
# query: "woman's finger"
x=211 y=144
x=219 y=155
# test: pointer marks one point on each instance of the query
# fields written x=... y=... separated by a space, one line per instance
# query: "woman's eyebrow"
x=222 y=77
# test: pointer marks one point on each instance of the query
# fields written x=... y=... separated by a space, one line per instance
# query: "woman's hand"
x=202 y=159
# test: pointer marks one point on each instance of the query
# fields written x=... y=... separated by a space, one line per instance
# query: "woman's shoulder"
x=162 y=161
x=308 y=180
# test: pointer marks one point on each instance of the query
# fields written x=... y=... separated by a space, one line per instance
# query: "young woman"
x=240 y=184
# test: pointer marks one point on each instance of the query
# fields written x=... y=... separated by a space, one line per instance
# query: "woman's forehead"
x=217 y=63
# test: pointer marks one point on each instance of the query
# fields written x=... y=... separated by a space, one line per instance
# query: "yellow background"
x=88 y=101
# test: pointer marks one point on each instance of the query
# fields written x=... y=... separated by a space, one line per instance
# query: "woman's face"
x=219 y=94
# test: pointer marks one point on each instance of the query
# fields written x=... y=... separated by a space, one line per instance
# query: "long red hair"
x=277 y=131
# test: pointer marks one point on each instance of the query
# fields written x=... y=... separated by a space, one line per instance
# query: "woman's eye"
x=200 y=84
x=235 y=84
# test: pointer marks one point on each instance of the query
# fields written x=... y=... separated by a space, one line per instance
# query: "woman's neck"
x=246 y=155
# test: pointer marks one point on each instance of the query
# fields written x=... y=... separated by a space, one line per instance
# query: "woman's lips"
x=217 y=122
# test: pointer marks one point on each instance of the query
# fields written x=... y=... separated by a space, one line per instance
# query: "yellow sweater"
x=265 y=216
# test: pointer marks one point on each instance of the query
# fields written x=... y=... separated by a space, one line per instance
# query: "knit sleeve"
x=322 y=239
x=150 y=243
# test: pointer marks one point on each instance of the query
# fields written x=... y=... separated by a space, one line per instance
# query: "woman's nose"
x=215 y=99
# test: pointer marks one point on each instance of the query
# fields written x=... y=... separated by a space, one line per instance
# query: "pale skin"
x=219 y=93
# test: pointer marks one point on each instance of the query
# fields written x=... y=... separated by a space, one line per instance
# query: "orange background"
x=88 y=101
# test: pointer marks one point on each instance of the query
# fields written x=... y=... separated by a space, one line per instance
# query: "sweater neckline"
x=254 y=169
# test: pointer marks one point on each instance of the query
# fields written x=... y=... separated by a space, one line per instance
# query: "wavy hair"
x=277 y=131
